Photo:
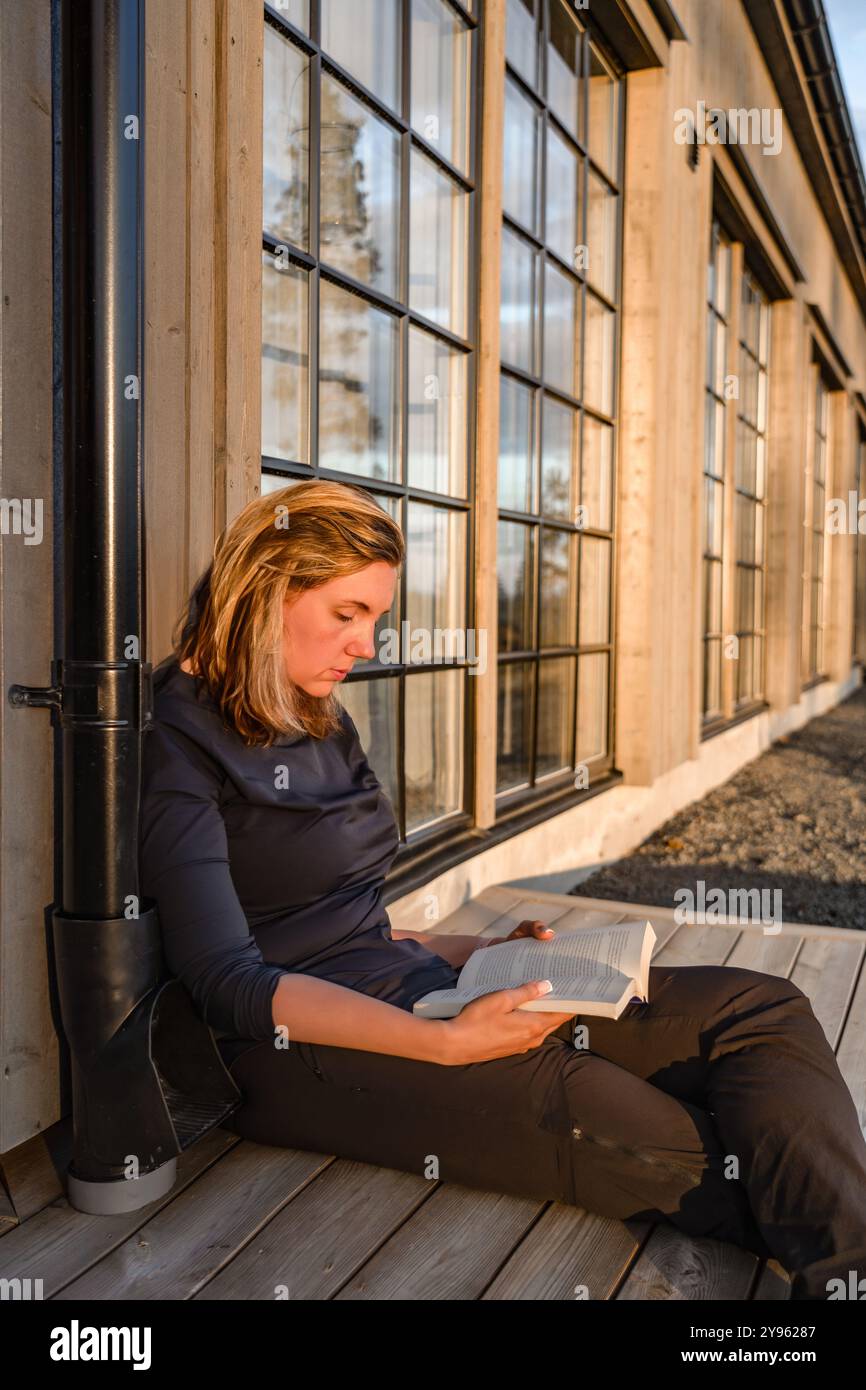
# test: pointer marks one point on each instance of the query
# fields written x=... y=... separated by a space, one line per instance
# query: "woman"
x=265 y=841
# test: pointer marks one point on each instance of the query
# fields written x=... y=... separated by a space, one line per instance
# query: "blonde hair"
x=231 y=630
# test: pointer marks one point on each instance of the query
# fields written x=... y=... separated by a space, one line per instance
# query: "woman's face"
x=327 y=629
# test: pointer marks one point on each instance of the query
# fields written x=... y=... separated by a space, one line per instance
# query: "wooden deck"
x=244 y=1220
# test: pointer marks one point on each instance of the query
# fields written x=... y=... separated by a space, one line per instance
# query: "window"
x=733 y=591
x=719 y=299
x=750 y=490
x=814 y=537
x=560 y=283
x=367 y=339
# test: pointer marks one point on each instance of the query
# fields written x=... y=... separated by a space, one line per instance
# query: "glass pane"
x=720 y=354
x=276 y=482
x=759 y=667
x=285 y=359
x=821 y=413
x=558 y=458
x=561 y=330
x=297 y=12
x=711 y=349
x=437 y=245
x=714 y=497
x=723 y=275
x=563 y=68
x=513 y=724
x=594 y=591
x=764 y=334
x=712 y=700
x=555 y=716
x=521 y=40
x=744 y=527
x=597 y=474
x=364 y=37
x=817 y=557
x=516 y=412
x=558 y=588
x=591 y=706
x=714 y=437
x=745 y=599
x=745 y=674
x=712 y=586
x=758 y=620
x=759 y=535
x=360 y=194
x=437 y=415
x=434 y=747
x=518 y=303
x=520 y=158
x=603 y=105
x=359 y=410
x=746 y=460
x=387 y=630
x=515 y=588
x=372 y=705
x=563 y=225
x=440 y=80
x=748 y=385
x=762 y=401
x=436 y=584
x=285 y=141
x=598 y=373
x=601 y=236
x=748 y=315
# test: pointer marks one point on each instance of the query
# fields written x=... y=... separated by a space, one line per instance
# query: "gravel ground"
x=794 y=819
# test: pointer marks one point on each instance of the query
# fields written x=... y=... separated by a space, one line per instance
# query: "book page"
x=596 y=954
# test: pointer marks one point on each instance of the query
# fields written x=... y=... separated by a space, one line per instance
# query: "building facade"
x=578 y=292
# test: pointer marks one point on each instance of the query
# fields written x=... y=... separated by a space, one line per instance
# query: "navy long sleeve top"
x=267 y=860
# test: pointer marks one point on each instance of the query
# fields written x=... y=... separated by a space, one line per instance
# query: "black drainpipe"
x=147 y=1079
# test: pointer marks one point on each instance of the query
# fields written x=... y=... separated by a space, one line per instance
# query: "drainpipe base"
x=121 y=1195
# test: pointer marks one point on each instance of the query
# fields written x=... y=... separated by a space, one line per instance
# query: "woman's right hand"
x=494 y=1026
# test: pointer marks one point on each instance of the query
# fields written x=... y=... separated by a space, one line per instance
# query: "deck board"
x=247 y=1221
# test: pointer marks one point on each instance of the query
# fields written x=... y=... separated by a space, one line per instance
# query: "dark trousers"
x=718 y=1106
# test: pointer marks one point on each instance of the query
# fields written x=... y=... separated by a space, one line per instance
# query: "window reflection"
x=439 y=211
x=516 y=446
x=434 y=765
x=360 y=190
x=564 y=58
x=285 y=141
x=441 y=66
x=359 y=410
x=518 y=302
x=364 y=38
x=555 y=721
x=437 y=415
x=435 y=579
x=285 y=359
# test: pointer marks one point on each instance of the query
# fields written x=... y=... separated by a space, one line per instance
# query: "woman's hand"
x=495 y=1026
x=528 y=927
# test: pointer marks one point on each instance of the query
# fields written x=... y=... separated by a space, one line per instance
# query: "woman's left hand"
x=537 y=930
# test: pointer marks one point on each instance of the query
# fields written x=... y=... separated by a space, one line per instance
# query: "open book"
x=593 y=970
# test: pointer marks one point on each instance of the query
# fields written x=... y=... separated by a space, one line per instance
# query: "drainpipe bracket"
x=94 y=694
